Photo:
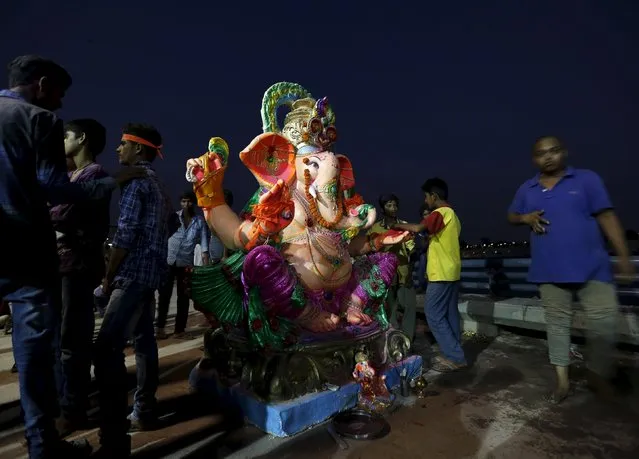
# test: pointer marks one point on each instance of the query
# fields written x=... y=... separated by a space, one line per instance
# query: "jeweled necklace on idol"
x=338 y=205
x=320 y=238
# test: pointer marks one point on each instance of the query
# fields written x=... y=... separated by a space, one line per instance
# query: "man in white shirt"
x=181 y=255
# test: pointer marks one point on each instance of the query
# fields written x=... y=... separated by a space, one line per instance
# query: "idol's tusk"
x=313 y=190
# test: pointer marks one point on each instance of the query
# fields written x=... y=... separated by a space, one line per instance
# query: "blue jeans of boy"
x=443 y=318
x=130 y=312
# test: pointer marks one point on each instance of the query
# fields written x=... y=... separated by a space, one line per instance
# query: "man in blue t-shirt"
x=567 y=210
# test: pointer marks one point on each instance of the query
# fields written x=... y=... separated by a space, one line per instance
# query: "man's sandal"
x=442 y=365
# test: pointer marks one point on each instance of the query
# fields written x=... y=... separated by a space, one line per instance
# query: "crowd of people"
x=53 y=191
x=569 y=212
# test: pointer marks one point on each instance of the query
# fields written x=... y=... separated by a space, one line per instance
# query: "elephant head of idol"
x=309 y=127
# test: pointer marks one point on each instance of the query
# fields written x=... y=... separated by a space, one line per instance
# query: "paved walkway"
x=495 y=410
x=9 y=391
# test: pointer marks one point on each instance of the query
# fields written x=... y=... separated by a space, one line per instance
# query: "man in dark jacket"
x=33 y=174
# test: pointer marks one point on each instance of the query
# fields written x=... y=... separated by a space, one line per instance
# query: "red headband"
x=141 y=141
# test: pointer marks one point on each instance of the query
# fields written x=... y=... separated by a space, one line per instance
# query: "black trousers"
x=178 y=274
x=76 y=341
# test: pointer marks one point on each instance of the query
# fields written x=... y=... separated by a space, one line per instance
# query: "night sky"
x=420 y=89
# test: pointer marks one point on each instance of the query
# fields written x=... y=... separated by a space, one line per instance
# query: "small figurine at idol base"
x=373 y=395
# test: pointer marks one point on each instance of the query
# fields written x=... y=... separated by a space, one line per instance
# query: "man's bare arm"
x=611 y=227
x=516 y=219
x=413 y=228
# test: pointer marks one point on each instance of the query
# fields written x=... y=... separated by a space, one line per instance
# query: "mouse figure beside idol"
x=373 y=395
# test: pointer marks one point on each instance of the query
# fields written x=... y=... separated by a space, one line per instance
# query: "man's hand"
x=106 y=286
x=126 y=174
x=408 y=227
x=626 y=271
x=535 y=221
x=393 y=237
x=205 y=259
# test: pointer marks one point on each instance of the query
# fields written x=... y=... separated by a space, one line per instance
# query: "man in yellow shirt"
x=402 y=292
x=444 y=271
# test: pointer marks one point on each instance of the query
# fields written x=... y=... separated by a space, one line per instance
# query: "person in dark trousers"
x=419 y=255
x=81 y=230
x=137 y=266
x=181 y=257
x=444 y=272
x=402 y=292
x=33 y=173
x=567 y=211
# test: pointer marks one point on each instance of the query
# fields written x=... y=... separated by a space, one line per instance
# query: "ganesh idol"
x=302 y=264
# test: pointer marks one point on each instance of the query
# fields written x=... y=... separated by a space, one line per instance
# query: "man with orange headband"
x=33 y=174
x=137 y=266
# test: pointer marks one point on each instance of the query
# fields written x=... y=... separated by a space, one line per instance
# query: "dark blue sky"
x=420 y=89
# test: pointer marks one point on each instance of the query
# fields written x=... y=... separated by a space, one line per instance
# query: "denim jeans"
x=599 y=301
x=130 y=312
x=443 y=318
x=35 y=311
x=76 y=340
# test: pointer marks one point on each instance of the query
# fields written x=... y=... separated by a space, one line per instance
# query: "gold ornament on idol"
x=315 y=213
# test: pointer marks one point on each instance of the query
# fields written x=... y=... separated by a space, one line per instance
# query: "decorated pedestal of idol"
x=304 y=291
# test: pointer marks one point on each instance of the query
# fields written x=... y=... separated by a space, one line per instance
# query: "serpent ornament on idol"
x=302 y=265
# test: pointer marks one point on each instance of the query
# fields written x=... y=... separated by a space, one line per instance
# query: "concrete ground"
x=493 y=410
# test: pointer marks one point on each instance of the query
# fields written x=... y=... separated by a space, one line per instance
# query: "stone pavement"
x=9 y=390
x=174 y=354
x=495 y=410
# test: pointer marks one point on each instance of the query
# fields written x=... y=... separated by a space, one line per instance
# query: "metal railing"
x=506 y=278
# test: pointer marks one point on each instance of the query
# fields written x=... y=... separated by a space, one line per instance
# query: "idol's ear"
x=270 y=157
x=346 y=176
x=352 y=200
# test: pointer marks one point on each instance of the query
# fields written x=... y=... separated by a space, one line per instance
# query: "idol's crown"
x=310 y=126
